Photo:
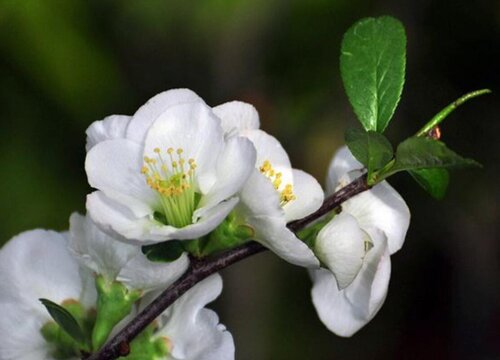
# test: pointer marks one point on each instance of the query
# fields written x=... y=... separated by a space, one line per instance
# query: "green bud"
x=146 y=346
x=114 y=303
x=229 y=234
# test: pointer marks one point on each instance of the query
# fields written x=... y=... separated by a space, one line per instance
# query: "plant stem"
x=439 y=117
x=200 y=269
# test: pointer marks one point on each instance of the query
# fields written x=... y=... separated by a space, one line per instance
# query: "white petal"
x=98 y=251
x=140 y=273
x=269 y=148
x=342 y=162
x=237 y=116
x=117 y=220
x=260 y=208
x=21 y=337
x=194 y=128
x=346 y=311
x=114 y=167
x=308 y=193
x=149 y=112
x=194 y=331
x=205 y=224
x=384 y=208
x=234 y=166
x=36 y=264
x=340 y=245
x=111 y=127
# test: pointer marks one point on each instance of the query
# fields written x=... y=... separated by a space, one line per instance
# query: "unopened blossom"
x=275 y=193
x=355 y=247
x=165 y=173
x=36 y=264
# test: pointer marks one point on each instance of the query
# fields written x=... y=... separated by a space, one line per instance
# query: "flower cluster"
x=182 y=180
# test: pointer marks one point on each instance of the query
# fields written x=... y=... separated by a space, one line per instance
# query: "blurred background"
x=64 y=64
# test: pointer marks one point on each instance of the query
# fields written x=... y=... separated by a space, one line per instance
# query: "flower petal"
x=194 y=128
x=381 y=207
x=114 y=167
x=340 y=245
x=260 y=208
x=194 y=331
x=21 y=337
x=269 y=148
x=205 y=224
x=234 y=166
x=342 y=162
x=237 y=116
x=36 y=264
x=96 y=250
x=308 y=193
x=149 y=112
x=117 y=220
x=346 y=311
x=111 y=127
x=140 y=273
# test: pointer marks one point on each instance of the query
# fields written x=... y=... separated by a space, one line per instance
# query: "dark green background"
x=64 y=64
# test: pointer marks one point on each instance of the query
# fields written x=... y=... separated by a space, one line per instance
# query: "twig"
x=199 y=269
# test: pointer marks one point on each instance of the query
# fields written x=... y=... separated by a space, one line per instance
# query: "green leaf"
x=370 y=148
x=372 y=65
x=65 y=320
x=434 y=181
x=422 y=153
x=164 y=252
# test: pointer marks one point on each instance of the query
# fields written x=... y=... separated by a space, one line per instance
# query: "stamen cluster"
x=173 y=179
x=286 y=195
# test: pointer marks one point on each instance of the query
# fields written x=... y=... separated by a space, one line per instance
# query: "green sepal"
x=372 y=65
x=114 y=303
x=230 y=233
x=63 y=345
x=147 y=346
x=434 y=181
x=66 y=320
x=167 y=251
x=370 y=148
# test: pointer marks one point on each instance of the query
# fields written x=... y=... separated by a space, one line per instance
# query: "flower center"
x=172 y=178
x=286 y=193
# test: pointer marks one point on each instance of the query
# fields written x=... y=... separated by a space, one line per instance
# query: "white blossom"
x=356 y=247
x=275 y=193
x=165 y=173
x=35 y=264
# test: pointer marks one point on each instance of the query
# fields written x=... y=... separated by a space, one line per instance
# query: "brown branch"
x=199 y=269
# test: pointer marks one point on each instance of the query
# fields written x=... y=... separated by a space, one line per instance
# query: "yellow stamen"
x=173 y=183
x=286 y=194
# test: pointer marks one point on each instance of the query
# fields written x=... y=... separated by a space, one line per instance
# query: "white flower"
x=345 y=311
x=118 y=261
x=33 y=265
x=275 y=193
x=356 y=247
x=194 y=332
x=165 y=173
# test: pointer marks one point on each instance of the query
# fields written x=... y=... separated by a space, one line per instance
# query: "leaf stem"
x=200 y=269
x=440 y=116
